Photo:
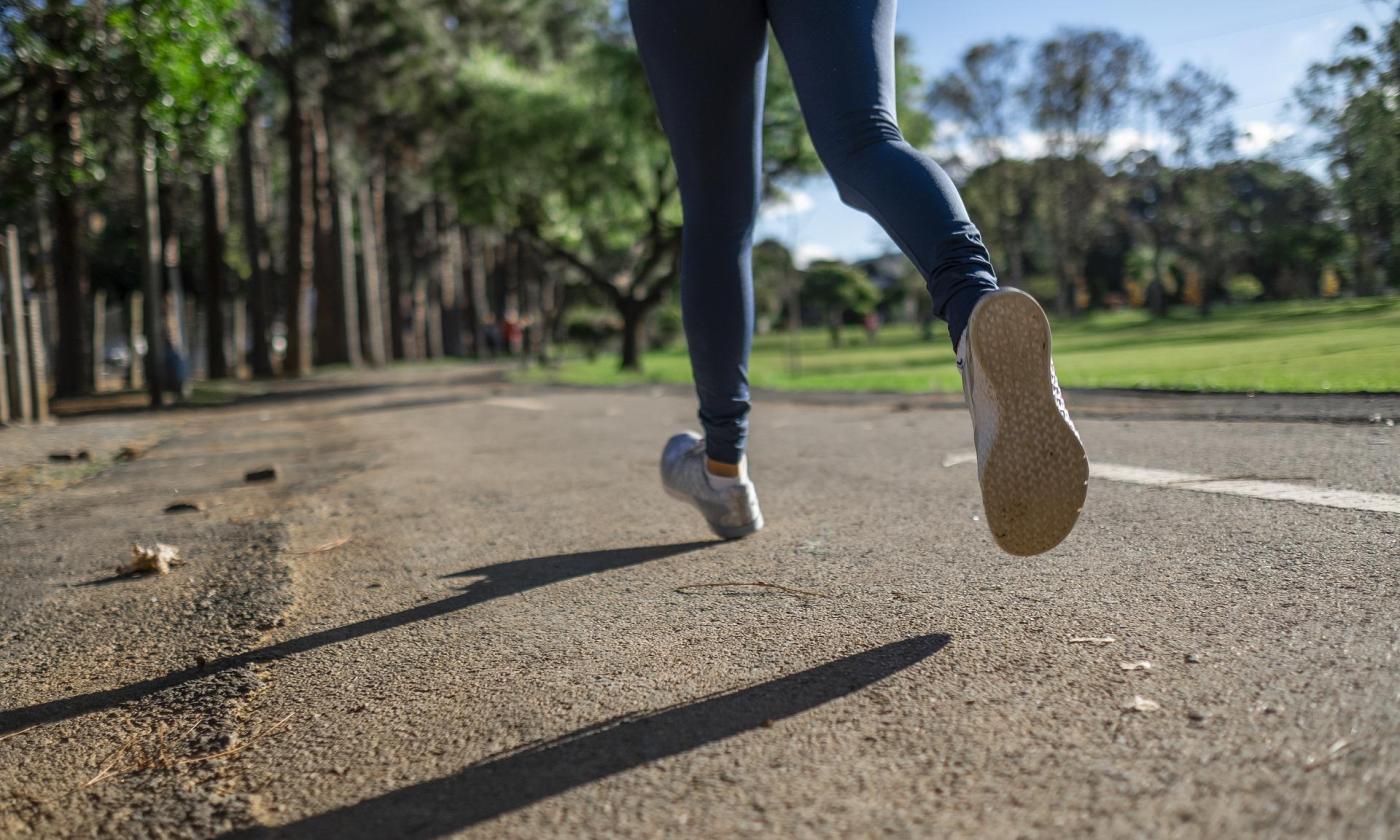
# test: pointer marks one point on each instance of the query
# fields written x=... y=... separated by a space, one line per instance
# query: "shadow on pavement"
x=499 y=580
x=513 y=780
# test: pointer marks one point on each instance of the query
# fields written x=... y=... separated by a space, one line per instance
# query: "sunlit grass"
x=1301 y=346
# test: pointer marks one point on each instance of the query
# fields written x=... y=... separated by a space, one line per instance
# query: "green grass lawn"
x=1300 y=346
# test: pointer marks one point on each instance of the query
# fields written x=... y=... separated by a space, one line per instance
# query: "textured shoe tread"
x=722 y=531
x=1036 y=476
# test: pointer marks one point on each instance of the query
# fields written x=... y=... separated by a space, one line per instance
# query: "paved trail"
x=524 y=637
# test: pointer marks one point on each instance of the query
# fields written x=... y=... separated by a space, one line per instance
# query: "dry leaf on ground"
x=157 y=558
x=1141 y=704
x=322 y=548
x=1092 y=640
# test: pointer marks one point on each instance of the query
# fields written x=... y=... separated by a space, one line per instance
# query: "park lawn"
x=1295 y=346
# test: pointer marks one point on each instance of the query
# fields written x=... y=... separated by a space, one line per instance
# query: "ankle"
x=720 y=469
x=720 y=474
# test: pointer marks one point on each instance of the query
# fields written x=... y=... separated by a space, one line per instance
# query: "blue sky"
x=1262 y=47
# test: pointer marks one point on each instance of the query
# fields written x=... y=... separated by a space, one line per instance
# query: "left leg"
x=706 y=62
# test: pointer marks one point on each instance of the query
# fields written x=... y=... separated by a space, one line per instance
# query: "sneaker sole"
x=720 y=531
x=1037 y=474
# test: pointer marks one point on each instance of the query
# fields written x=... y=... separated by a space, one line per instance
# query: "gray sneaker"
x=731 y=511
x=1030 y=460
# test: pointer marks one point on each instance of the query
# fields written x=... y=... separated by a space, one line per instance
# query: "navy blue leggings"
x=706 y=61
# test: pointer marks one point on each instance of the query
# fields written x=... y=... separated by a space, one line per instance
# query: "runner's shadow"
x=513 y=780
x=498 y=581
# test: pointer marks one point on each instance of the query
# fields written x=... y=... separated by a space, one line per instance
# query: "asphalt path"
x=466 y=607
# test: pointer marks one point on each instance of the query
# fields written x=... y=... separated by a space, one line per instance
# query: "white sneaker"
x=1030 y=460
x=731 y=511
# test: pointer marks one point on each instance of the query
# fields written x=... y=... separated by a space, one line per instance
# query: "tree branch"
x=559 y=252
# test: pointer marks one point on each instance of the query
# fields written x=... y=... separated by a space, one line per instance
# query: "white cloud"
x=1259 y=136
x=807 y=253
x=795 y=203
x=1028 y=145
x=1124 y=140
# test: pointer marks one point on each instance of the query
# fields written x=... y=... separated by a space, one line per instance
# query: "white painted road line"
x=1276 y=491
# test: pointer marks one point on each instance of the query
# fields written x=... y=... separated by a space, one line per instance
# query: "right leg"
x=841 y=53
x=1030 y=461
x=705 y=60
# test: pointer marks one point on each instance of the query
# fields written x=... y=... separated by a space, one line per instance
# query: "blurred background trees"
x=259 y=187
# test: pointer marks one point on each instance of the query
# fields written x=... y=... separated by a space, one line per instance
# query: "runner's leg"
x=706 y=60
x=841 y=53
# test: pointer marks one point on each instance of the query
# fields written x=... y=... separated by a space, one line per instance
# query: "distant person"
x=492 y=335
x=512 y=335
x=706 y=62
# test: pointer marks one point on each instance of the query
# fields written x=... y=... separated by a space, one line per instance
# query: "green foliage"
x=1081 y=84
x=775 y=279
x=591 y=329
x=664 y=327
x=837 y=289
x=1191 y=108
x=788 y=153
x=186 y=74
x=914 y=122
x=53 y=56
x=1244 y=287
x=1352 y=100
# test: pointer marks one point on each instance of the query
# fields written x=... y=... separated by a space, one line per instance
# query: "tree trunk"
x=1157 y=289
x=301 y=230
x=238 y=362
x=420 y=276
x=431 y=279
x=1015 y=261
x=530 y=291
x=38 y=363
x=135 y=335
x=1367 y=264
x=450 y=281
x=633 y=333
x=16 y=340
x=175 y=324
x=254 y=218
x=70 y=271
x=549 y=310
x=1069 y=284
x=44 y=273
x=349 y=296
x=332 y=340
x=214 y=201
x=381 y=233
x=4 y=387
x=99 y=337
x=372 y=292
x=398 y=292
x=148 y=189
x=476 y=277
x=194 y=342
